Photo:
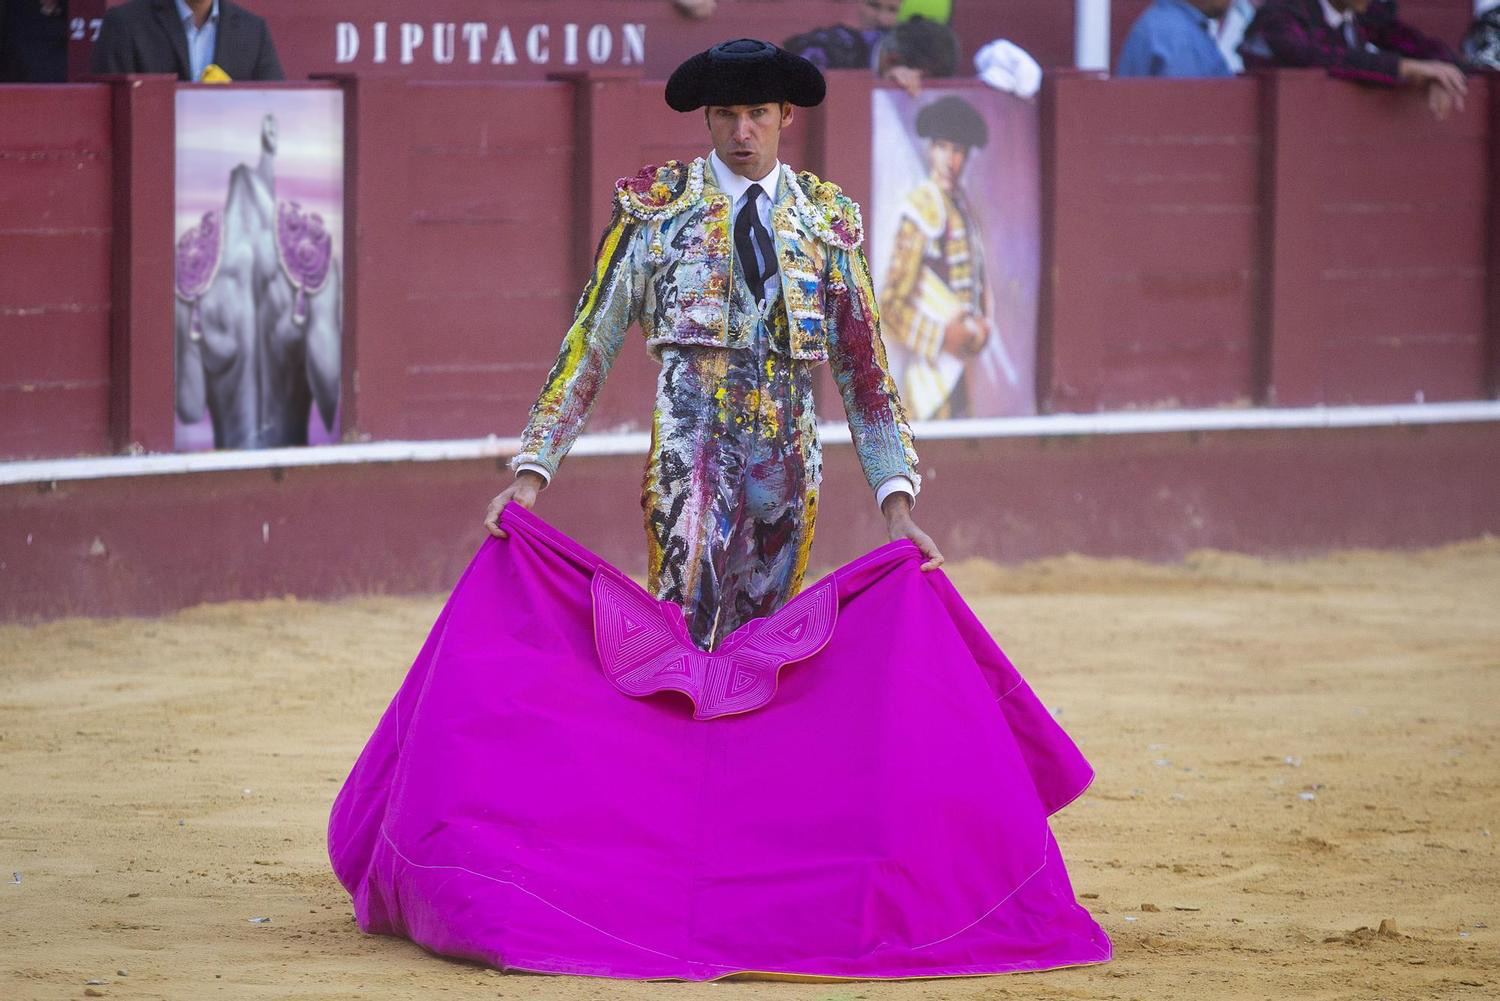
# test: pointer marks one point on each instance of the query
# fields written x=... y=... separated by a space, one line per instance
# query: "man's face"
x=946 y=160
x=746 y=136
x=882 y=14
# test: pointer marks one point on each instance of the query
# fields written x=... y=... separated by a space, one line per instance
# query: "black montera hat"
x=744 y=71
x=954 y=119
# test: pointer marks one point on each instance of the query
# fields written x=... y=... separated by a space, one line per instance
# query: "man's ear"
x=786 y=113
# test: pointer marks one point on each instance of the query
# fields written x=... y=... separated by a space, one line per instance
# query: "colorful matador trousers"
x=731 y=489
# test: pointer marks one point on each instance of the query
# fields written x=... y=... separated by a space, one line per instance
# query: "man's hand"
x=908 y=78
x=1441 y=102
x=1446 y=85
x=523 y=492
x=898 y=525
x=965 y=336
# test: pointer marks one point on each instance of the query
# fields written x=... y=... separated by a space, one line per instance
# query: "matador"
x=744 y=276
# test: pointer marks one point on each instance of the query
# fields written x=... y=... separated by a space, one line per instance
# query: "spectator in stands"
x=188 y=38
x=1482 y=41
x=1174 y=38
x=843 y=46
x=1360 y=40
x=913 y=51
x=916 y=50
x=33 y=41
x=1231 y=31
x=696 y=8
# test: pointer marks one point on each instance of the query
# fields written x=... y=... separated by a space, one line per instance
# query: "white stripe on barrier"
x=636 y=442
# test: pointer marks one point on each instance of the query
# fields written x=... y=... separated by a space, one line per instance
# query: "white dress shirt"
x=1341 y=20
x=735 y=186
x=200 y=41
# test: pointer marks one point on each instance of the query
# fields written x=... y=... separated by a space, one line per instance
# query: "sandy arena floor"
x=1289 y=754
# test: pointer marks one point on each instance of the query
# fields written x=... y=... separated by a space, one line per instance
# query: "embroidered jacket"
x=938 y=233
x=667 y=261
x=1295 y=33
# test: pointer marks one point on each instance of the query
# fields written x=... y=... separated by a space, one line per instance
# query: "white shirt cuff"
x=892 y=485
x=531 y=467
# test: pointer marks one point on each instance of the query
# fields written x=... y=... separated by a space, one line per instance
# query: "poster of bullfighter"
x=259 y=291
x=956 y=249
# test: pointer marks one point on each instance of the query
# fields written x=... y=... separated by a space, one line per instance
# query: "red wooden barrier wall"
x=56 y=199
x=1152 y=234
x=1286 y=239
x=1380 y=295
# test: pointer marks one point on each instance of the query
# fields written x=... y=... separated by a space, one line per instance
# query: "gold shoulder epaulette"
x=833 y=215
x=660 y=192
x=924 y=206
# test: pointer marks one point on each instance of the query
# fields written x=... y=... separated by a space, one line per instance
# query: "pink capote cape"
x=881 y=813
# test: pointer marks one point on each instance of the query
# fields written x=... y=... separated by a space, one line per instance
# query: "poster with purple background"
x=955 y=249
x=259 y=292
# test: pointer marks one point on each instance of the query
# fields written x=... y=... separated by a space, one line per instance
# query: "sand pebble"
x=1308 y=796
x=1130 y=917
x=96 y=983
x=1151 y=908
x=1294 y=760
x=259 y=921
x=122 y=973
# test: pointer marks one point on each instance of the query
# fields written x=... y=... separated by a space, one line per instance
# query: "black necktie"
x=747 y=227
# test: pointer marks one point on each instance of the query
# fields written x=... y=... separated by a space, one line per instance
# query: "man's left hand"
x=899 y=525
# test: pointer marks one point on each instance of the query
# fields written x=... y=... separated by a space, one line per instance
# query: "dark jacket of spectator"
x=837 y=47
x=1296 y=33
x=33 y=41
x=146 y=36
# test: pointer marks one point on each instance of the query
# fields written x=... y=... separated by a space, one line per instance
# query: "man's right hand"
x=965 y=336
x=1437 y=75
x=523 y=492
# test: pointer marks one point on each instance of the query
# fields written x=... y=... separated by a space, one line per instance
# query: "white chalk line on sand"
x=637 y=442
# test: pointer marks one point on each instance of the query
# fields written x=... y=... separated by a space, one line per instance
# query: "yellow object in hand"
x=212 y=73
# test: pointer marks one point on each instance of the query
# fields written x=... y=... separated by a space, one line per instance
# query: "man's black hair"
x=924 y=45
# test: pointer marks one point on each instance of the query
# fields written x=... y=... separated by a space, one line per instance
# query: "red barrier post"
x=141 y=356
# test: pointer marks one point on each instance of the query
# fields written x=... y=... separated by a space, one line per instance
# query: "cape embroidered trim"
x=643 y=646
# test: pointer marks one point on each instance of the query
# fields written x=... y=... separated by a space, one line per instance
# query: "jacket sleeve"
x=267 y=65
x=610 y=303
x=856 y=355
x=112 y=49
x=1388 y=31
x=1293 y=43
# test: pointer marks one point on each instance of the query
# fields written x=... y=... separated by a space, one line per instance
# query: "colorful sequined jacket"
x=666 y=261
